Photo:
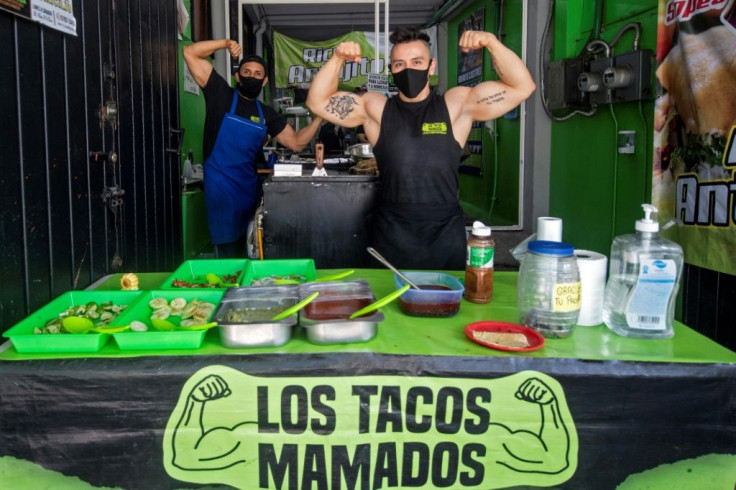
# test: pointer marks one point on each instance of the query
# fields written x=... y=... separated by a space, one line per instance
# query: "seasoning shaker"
x=479 y=264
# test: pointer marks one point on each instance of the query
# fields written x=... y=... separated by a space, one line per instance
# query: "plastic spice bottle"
x=643 y=280
x=548 y=292
x=479 y=265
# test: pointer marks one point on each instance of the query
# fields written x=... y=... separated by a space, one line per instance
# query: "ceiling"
x=320 y=21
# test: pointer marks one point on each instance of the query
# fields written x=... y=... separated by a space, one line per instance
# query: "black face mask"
x=250 y=87
x=410 y=81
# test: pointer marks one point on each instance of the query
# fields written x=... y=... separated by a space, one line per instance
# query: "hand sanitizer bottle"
x=644 y=276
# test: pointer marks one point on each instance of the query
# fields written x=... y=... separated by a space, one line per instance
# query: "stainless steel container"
x=244 y=313
x=360 y=151
x=325 y=318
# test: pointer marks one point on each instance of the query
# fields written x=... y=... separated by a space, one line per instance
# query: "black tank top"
x=417 y=154
x=419 y=222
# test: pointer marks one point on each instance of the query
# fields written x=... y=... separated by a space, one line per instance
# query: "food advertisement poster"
x=296 y=61
x=56 y=14
x=694 y=179
x=469 y=74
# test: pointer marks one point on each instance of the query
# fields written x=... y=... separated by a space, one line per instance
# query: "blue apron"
x=230 y=178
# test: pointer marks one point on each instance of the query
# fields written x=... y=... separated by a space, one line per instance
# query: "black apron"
x=419 y=223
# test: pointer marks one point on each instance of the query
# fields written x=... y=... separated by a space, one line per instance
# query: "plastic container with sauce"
x=479 y=265
x=439 y=294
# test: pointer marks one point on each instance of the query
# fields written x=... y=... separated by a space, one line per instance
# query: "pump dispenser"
x=644 y=276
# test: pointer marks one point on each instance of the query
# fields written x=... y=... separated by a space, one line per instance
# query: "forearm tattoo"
x=492 y=99
x=341 y=106
x=496 y=68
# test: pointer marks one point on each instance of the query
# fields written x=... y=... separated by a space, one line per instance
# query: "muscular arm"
x=494 y=98
x=296 y=141
x=196 y=57
x=546 y=451
x=196 y=447
x=344 y=108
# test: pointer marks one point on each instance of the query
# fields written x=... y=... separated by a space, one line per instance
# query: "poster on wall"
x=469 y=74
x=694 y=178
x=56 y=14
x=298 y=61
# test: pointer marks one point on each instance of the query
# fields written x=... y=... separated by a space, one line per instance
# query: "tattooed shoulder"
x=341 y=105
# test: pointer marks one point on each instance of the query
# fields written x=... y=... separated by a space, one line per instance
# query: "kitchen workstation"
x=425 y=244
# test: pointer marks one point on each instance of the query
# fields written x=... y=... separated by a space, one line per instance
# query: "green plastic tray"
x=257 y=269
x=194 y=271
x=24 y=340
x=146 y=281
x=156 y=340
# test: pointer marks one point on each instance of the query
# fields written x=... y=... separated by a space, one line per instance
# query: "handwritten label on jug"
x=566 y=296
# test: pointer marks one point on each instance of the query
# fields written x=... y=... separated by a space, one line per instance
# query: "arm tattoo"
x=492 y=99
x=341 y=105
x=497 y=69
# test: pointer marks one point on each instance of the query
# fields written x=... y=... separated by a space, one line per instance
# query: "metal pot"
x=360 y=151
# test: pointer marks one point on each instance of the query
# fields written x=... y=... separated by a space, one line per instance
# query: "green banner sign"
x=370 y=432
x=298 y=61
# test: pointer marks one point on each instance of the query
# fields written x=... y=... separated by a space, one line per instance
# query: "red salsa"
x=335 y=309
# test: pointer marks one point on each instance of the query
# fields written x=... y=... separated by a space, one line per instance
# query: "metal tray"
x=339 y=331
x=259 y=332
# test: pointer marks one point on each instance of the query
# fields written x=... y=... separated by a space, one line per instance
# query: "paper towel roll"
x=593 y=268
x=549 y=229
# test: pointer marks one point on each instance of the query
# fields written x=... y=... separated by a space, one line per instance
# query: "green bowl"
x=194 y=271
x=258 y=269
x=25 y=341
x=160 y=340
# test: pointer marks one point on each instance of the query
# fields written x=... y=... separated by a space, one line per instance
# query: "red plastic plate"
x=535 y=339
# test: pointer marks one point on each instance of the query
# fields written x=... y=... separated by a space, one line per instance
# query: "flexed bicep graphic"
x=197 y=445
x=545 y=449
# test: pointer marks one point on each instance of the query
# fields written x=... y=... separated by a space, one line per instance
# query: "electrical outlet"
x=562 y=76
x=630 y=77
x=592 y=81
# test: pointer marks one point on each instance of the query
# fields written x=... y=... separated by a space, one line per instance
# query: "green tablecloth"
x=404 y=335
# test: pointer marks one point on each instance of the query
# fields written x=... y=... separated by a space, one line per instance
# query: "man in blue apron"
x=418 y=139
x=235 y=129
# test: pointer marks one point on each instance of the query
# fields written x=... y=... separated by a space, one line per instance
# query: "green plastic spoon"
x=331 y=277
x=293 y=309
x=79 y=324
x=166 y=326
x=215 y=280
x=335 y=277
x=202 y=326
x=381 y=302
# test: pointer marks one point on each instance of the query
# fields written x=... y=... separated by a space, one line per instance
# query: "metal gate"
x=89 y=170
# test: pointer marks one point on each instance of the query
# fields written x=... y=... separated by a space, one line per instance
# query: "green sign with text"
x=370 y=432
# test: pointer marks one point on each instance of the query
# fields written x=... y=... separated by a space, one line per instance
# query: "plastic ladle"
x=166 y=326
x=335 y=277
x=293 y=309
x=215 y=280
x=385 y=262
x=379 y=303
x=331 y=277
x=80 y=324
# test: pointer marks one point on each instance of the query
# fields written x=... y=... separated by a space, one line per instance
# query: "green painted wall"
x=195 y=234
x=594 y=189
x=500 y=157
